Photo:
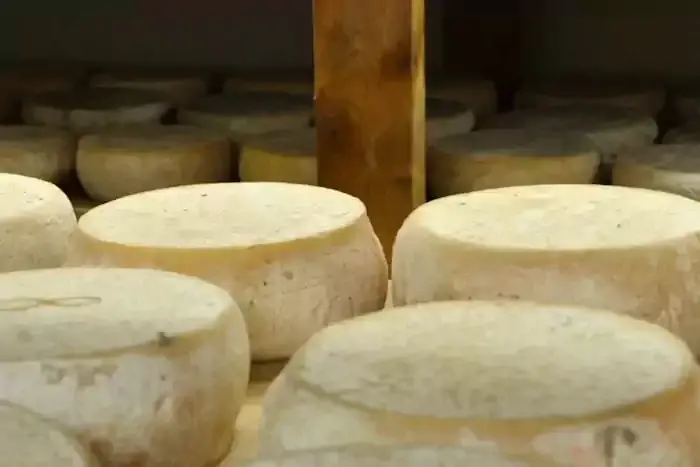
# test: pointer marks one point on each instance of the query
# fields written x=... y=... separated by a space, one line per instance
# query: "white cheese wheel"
x=292 y=85
x=499 y=158
x=629 y=250
x=39 y=152
x=123 y=161
x=688 y=133
x=542 y=380
x=36 y=226
x=286 y=156
x=147 y=367
x=295 y=257
x=29 y=440
x=480 y=96
x=446 y=117
x=178 y=87
x=95 y=109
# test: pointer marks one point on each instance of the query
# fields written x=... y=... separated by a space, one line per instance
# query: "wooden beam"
x=370 y=105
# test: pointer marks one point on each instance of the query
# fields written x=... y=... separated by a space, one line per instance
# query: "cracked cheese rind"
x=285 y=156
x=179 y=88
x=147 y=367
x=123 y=161
x=480 y=96
x=294 y=257
x=39 y=152
x=35 y=227
x=560 y=382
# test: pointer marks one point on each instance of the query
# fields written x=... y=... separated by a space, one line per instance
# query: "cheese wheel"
x=294 y=257
x=292 y=85
x=480 y=96
x=94 y=109
x=123 y=161
x=445 y=118
x=286 y=156
x=36 y=226
x=179 y=88
x=499 y=158
x=28 y=440
x=44 y=153
x=688 y=133
x=147 y=367
x=553 y=381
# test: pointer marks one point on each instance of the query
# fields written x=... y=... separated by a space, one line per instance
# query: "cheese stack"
x=688 y=133
x=552 y=382
x=286 y=156
x=45 y=153
x=28 y=440
x=445 y=118
x=36 y=222
x=95 y=109
x=147 y=367
x=478 y=95
x=179 y=88
x=294 y=257
x=499 y=158
x=629 y=250
x=123 y=161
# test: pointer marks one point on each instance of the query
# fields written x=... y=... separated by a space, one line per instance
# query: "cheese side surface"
x=564 y=383
x=119 y=162
x=179 y=88
x=285 y=156
x=498 y=158
x=36 y=226
x=39 y=152
x=480 y=96
x=446 y=118
x=147 y=367
x=294 y=257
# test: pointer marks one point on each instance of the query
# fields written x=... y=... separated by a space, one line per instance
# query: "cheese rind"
x=286 y=156
x=294 y=257
x=36 y=226
x=44 y=153
x=179 y=88
x=480 y=96
x=119 y=162
x=146 y=367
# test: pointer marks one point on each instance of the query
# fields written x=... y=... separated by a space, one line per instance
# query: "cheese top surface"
x=150 y=137
x=74 y=312
x=287 y=143
x=560 y=217
x=223 y=215
x=509 y=360
x=27 y=194
x=96 y=99
x=253 y=104
x=666 y=157
x=16 y=136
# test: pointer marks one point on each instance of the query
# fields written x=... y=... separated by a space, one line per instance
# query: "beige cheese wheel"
x=29 y=440
x=630 y=250
x=480 y=96
x=123 y=161
x=688 y=133
x=178 y=87
x=286 y=156
x=39 y=152
x=148 y=367
x=295 y=257
x=35 y=228
x=499 y=158
x=559 y=382
x=446 y=117
x=92 y=110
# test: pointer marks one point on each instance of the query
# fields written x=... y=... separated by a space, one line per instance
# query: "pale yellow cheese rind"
x=38 y=152
x=286 y=156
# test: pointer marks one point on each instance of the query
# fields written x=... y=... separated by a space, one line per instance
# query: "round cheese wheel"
x=292 y=85
x=286 y=156
x=499 y=158
x=147 y=367
x=29 y=440
x=630 y=250
x=480 y=96
x=294 y=257
x=39 y=152
x=179 y=88
x=688 y=133
x=564 y=383
x=445 y=118
x=36 y=226
x=123 y=161
x=94 y=109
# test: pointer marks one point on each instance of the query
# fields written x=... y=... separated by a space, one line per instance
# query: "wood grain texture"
x=370 y=105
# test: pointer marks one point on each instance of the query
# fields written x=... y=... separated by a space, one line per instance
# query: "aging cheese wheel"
x=29 y=440
x=286 y=156
x=294 y=257
x=123 y=161
x=499 y=158
x=445 y=118
x=688 y=133
x=39 y=152
x=94 y=109
x=558 y=383
x=179 y=88
x=629 y=250
x=147 y=367
x=35 y=227
x=478 y=95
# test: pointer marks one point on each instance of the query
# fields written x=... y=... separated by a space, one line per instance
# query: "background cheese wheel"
x=547 y=380
x=36 y=226
x=498 y=158
x=688 y=133
x=294 y=257
x=29 y=440
x=633 y=251
x=95 y=109
x=123 y=161
x=286 y=156
x=178 y=87
x=39 y=152
x=480 y=96
x=147 y=367
x=445 y=118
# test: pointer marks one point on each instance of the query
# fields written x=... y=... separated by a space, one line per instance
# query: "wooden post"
x=370 y=105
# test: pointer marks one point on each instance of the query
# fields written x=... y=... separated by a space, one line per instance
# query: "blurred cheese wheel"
x=95 y=109
x=446 y=117
x=688 y=133
x=123 y=161
x=480 y=96
x=499 y=158
x=555 y=382
x=147 y=367
x=287 y=156
x=178 y=87
x=39 y=152
x=35 y=227
x=294 y=257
